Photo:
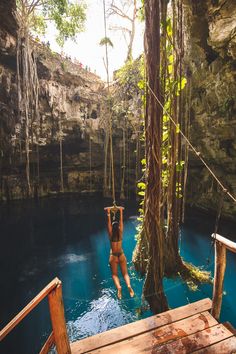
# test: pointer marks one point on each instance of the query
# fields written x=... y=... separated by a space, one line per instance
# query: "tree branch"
x=120 y=28
x=33 y=5
x=114 y=10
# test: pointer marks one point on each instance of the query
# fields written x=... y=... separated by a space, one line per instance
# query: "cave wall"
x=210 y=67
x=72 y=101
x=76 y=100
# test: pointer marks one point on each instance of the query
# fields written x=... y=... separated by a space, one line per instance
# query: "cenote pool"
x=66 y=237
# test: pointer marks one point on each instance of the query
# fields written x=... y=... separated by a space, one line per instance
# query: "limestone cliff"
x=72 y=108
x=210 y=52
x=73 y=103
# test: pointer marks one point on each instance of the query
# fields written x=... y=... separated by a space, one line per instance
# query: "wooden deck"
x=187 y=329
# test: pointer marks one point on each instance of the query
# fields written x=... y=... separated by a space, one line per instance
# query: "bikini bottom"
x=117 y=254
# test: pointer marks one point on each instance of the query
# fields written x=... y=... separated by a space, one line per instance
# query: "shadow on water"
x=66 y=237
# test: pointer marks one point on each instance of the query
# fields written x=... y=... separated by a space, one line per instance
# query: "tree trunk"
x=153 y=223
x=132 y=33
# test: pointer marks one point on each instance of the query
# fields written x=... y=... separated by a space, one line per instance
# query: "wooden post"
x=58 y=320
x=220 y=264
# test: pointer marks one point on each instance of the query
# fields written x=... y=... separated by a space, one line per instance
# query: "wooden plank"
x=219 y=273
x=148 y=342
x=230 y=327
x=21 y=315
x=56 y=308
x=132 y=329
x=195 y=341
x=48 y=344
x=230 y=245
x=226 y=346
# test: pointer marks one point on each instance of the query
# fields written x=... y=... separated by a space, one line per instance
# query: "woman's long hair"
x=115 y=231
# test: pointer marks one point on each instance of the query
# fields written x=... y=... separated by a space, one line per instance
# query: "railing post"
x=220 y=264
x=58 y=320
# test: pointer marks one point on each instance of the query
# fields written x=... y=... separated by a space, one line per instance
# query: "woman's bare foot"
x=119 y=294
x=131 y=292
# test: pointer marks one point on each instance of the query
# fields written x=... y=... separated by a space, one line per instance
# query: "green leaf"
x=165 y=118
x=143 y=162
x=106 y=41
x=165 y=135
x=177 y=128
x=141 y=185
x=141 y=193
x=141 y=84
x=182 y=84
x=179 y=166
x=170 y=68
x=171 y=58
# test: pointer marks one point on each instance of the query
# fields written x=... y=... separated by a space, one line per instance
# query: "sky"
x=87 y=49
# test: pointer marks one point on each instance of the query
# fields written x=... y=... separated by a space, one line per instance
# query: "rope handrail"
x=197 y=153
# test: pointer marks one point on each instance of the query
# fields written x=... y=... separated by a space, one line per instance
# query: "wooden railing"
x=59 y=335
x=221 y=244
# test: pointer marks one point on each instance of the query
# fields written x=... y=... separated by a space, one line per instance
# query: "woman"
x=117 y=256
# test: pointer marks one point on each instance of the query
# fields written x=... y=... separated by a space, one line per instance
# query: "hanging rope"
x=197 y=153
x=112 y=165
x=110 y=113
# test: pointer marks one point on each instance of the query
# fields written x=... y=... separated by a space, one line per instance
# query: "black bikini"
x=117 y=254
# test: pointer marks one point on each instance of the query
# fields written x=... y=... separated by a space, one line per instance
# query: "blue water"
x=66 y=237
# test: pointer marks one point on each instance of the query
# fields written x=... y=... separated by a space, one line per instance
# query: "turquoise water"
x=66 y=237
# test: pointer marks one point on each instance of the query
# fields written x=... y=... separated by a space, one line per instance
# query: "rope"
x=110 y=114
x=197 y=153
x=112 y=165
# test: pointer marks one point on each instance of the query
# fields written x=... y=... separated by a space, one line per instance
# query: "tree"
x=33 y=15
x=157 y=252
x=153 y=223
x=127 y=10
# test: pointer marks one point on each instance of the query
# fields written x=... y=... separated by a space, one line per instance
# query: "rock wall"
x=72 y=107
x=73 y=102
x=210 y=62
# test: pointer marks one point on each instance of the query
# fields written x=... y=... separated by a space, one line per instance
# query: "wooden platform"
x=187 y=329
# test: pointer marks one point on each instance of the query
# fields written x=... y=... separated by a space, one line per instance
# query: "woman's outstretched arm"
x=121 y=219
x=109 y=226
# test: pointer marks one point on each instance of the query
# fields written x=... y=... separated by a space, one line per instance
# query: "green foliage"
x=106 y=41
x=172 y=88
x=141 y=185
x=193 y=276
x=131 y=76
x=68 y=16
x=141 y=12
x=38 y=24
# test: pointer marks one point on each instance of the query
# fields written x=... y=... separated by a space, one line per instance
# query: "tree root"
x=194 y=276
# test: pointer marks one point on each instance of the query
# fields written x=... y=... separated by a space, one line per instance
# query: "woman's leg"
x=124 y=271
x=114 y=270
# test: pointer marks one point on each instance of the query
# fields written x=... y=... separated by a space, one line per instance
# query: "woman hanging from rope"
x=117 y=256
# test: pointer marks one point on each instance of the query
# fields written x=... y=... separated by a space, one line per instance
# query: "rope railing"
x=197 y=153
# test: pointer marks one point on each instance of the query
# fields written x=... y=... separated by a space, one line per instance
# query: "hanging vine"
x=32 y=16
